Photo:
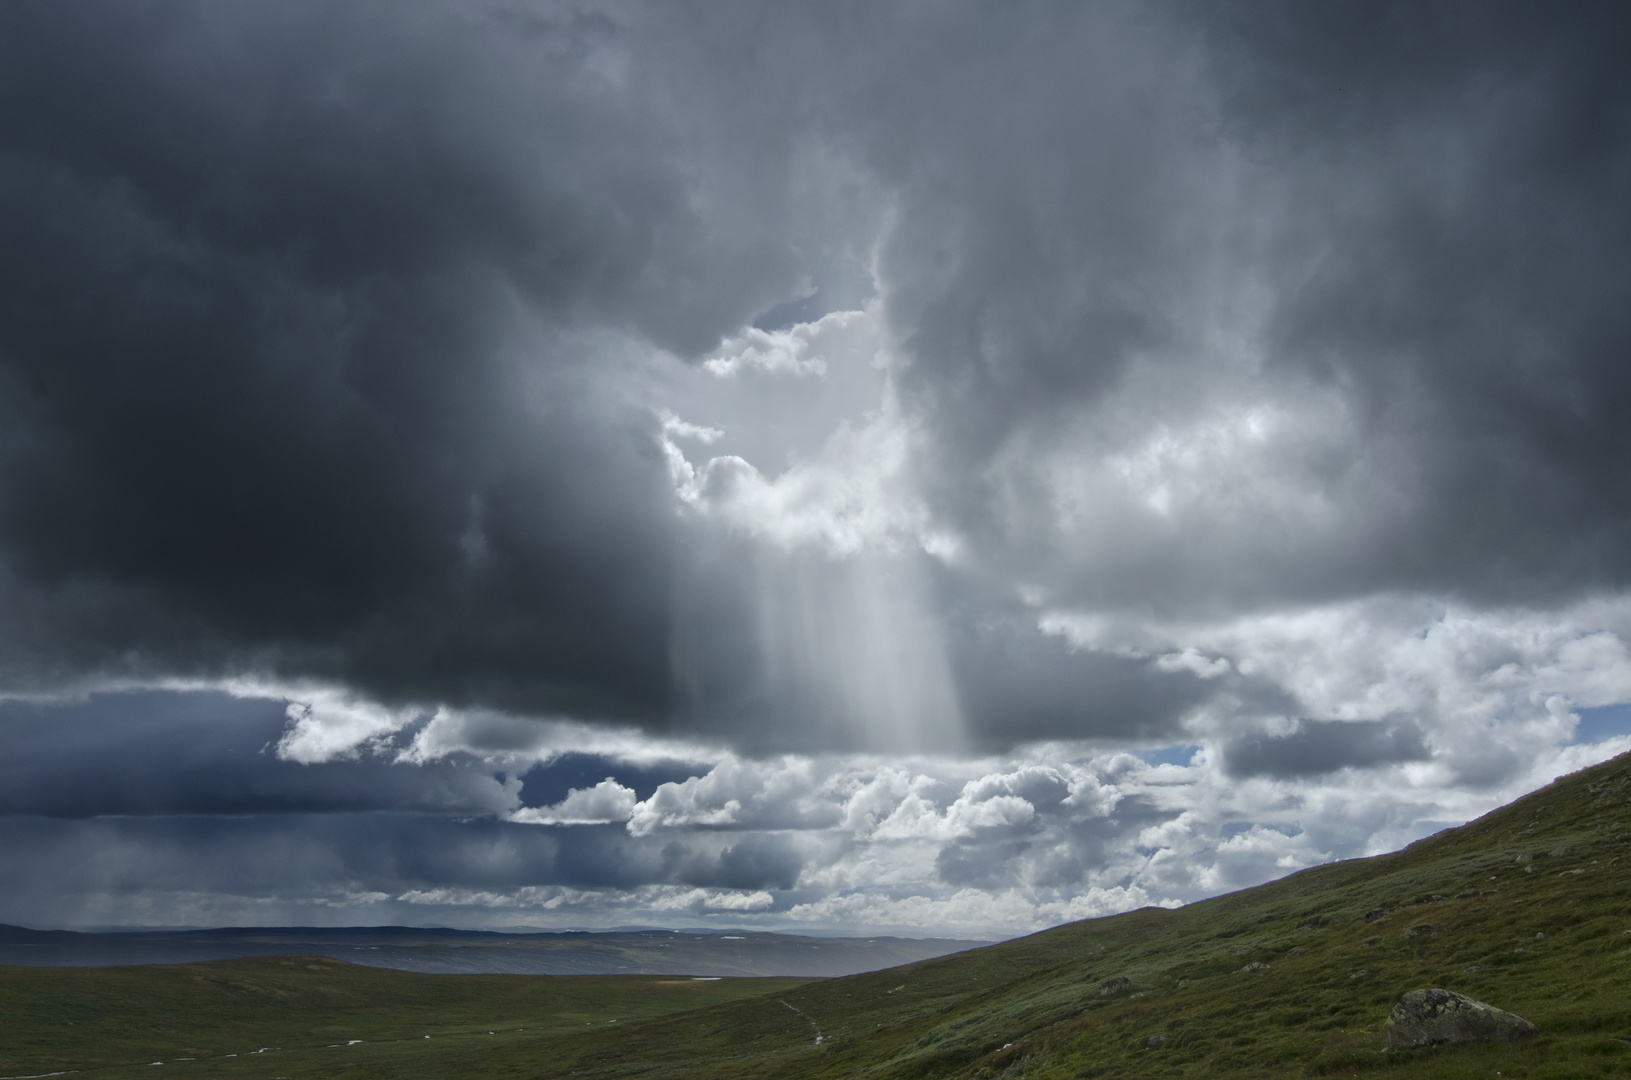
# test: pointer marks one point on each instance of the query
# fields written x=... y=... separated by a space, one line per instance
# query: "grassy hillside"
x=1340 y=944
x=311 y=1016
x=1528 y=908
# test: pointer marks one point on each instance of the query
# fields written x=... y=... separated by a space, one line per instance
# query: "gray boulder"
x=1426 y=1017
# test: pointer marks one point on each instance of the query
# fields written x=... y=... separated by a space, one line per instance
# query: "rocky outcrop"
x=1118 y=985
x=1426 y=1017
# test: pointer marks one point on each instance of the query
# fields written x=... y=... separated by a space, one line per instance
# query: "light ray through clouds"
x=861 y=468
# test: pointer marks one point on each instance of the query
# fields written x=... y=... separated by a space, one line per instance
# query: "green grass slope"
x=1528 y=908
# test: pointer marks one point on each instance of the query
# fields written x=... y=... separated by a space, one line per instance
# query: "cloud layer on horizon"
x=177 y=808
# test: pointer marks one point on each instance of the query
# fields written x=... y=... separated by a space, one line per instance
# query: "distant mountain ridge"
x=438 y=951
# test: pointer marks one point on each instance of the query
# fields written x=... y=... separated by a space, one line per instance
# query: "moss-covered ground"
x=1528 y=908
x=301 y=1016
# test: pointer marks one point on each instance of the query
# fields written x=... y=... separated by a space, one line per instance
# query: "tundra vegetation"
x=1527 y=909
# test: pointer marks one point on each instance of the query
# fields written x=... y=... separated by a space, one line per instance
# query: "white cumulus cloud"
x=607 y=801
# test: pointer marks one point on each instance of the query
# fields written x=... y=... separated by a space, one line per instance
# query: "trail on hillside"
x=806 y=1016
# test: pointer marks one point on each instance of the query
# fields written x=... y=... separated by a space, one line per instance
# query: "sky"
x=851 y=467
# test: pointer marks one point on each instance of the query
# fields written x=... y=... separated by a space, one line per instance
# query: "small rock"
x=1118 y=985
x=1426 y=1017
x=1436 y=897
x=1524 y=858
x=1519 y=952
x=1468 y=894
x=1183 y=984
x=1154 y=1041
x=1615 y=861
x=1360 y=974
x=1375 y=913
x=1541 y=936
x=1420 y=929
x=1566 y=873
x=1255 y=965
x=1529 y=869
x=1560 y=851
x=1473 y=969
x=1373 y=941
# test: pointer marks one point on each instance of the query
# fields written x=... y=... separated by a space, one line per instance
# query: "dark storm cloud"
x=1010 y=681
x=298 y=857
x=1458 y=177
x=204 y=753
x=269 y=855
x=1017 y=683
x=981 y=866
x=314 y=326
x=393 y=852
x=266 y=394
x=1433 y=196
x=757 y=862
x=184 y=793
x=1319 y=746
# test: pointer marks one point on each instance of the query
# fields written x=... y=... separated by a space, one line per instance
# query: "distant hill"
x=743 y=953
x=1527 y=908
